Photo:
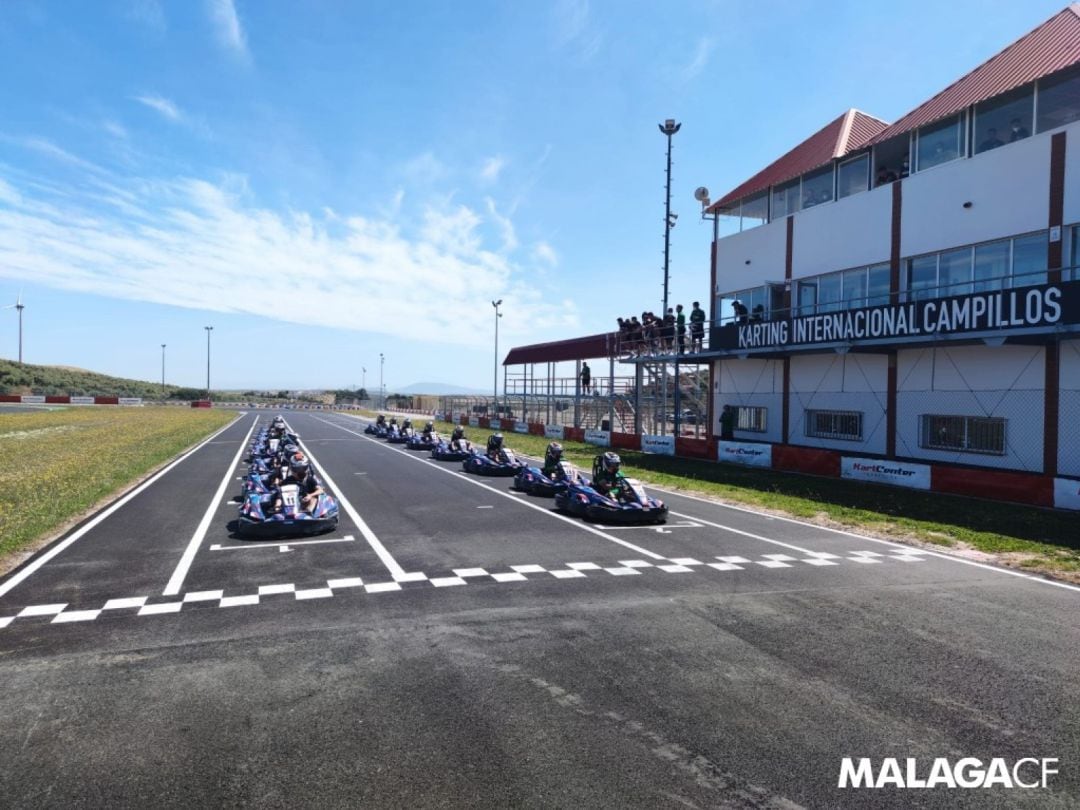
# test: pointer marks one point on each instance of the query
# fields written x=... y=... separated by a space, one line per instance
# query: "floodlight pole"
x=208 y=329
x=668 y=128
x=382 y=390
x=495 y=386
x=163 y=371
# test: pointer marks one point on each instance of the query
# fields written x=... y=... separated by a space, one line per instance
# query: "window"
x=954 y=272
x=878 y=285
x=807 y=297
x=855 y=288
x=785 y=199
x=964 y=434
x=751 y=418
x=922 y=277
x=890 y=161
x=941 y=142
x=1059 y=100
x=1004 y=119
x=1030 y=259
x=755 y=210
x=1074 y=274
x=817 y=187
x=834 y=425
x=992 y=266
x=853 y=176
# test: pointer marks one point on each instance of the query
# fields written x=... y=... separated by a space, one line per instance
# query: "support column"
x=639 y=379
x=577 y=393
x=611 y=393
x=894 y=242
x=1052 y=407
x=785 y=433
x=1057 y=207
x=890 y=407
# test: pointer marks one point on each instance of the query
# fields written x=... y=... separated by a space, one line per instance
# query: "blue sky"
x=327 y=180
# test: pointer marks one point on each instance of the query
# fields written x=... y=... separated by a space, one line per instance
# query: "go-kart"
x=422 y=441
x=480 y=464
x=632 y=506
x=533 y=481
x=372 y=429
x=443 y=451
x=394 y=435
x=291 y=520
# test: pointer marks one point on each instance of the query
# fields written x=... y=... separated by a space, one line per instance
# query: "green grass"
x=56 y=464
x=1041 y=540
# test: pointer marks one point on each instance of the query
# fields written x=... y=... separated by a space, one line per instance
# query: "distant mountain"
x=438 y=389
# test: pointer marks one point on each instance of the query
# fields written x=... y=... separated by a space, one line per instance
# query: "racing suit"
x=610 y=484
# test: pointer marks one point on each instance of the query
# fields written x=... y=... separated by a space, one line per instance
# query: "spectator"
x=697 y=327
x=992 y=140
x=680 y=328
x=669 y=331
x=727 y=424
x=884 y=175
x=905 y=167
x=586 y=378
x=648 y=333
x=635 y=334
x=758 y=314
x=741 y=316
x=1017 y=131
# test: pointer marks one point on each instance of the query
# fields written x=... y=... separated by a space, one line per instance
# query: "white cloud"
x=699 y=60
x=230 y=32
x=545 y=253
x=505 y=226
x=148 y=13
x=424 y=171
x=574 y=30
x=489 y=172
x=115 y=129
x=161 y=105
x=208 y=245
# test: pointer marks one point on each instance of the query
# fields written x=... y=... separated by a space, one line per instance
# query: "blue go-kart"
x=506 y=465
x=631 y=507
x=422 y=441
x=533 y=481
x=257 y=521
x=445 y=451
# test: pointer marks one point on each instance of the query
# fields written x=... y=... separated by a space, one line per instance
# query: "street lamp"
x=382 y=390
x=363 y=380
x=668 y=128
x=163 y=371
x=495 y=390
x=208 y=329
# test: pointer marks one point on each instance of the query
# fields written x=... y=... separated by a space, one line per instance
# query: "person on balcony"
x=697 y=327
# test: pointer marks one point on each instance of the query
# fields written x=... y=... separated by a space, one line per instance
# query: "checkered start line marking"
x=461 y=576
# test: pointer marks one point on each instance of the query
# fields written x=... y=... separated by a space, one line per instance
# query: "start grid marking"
x=142 y=606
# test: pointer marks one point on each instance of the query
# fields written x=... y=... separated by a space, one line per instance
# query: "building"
x=909 y=292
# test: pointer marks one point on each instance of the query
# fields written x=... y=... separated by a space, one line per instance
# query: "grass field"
x=56 y=464
x=1037 y=540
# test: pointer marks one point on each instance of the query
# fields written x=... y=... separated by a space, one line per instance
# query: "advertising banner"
x=1066 y=493
x=897 y=473
x=82 y=400
x=32 y=399
x=750 y=453
x=495 y=424
x=131 y=400
x=474 y=421
x=601 y=438
x=664 y=445
x=521 y=427
x=553 y=431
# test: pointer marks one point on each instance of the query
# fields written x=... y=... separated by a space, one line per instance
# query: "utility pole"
x=208 y=329
x=163 y=371
x=668 y=128
x=495 y=387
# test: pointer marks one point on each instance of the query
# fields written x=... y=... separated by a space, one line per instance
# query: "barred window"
x=966 y=434
x=751 y=418
x=834 y=424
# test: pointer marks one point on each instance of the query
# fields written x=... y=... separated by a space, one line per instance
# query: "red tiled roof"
x=1052 y=46
x=582 y=348
x=845 y=134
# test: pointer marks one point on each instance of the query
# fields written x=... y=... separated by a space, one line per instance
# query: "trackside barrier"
x=998 y=485
x=687 y=447
x=808 y=460
x=661 y=445
x=752 y=454
x=1066 y=493
x=622 y=441
x=536 y=429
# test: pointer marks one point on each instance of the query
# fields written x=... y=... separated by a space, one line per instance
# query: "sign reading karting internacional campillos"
x=1026 y=307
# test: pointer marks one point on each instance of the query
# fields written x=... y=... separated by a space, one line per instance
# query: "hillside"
x=29 y=379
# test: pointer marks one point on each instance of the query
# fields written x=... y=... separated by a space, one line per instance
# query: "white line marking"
x=723 y=566
x=586 y=566
x=117 y=604
x=265 y=590
x=76 y=616
x=940 y=555
x=773 y=564
x=412 y=576
x=676 y=569
x=473 y=480
x=623 y=572
x=314 y=593
x=863 y=554
x=6 y=620
x=470 y=572
x=908 y=558
x=529 y=569
x=177 y=579
x=347 y=582
x=566 y=574
x=742 y=560
x=666 y=528
x=41 y=610
x=278 y=544
x=165 y=607
x=485 y=507
x=446 y=582
x=743 y=533
x=685 y=561
x=235 y=601
x=373 y=541
x=509 y=577
x=381 y=587
x=635 y=564
x=59 y=547
x=818 y=561
x=824 y=555
x=203 y=596
x=864 y=560
x=780 y=557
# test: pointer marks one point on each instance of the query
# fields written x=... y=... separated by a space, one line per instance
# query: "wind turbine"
x=18 y=305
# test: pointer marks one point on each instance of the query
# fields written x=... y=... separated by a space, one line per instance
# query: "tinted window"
x=922 y=277
x=855 y=288
x=1029 y=259
x=785 y=200
x=939 y=143
x=1004 y=119
x=878 y=285
x=829 y=293
x=1059 y=99
x=991 y=266
x=954 y=273
x=755 y=210
x=817 y=187
x=853 y=176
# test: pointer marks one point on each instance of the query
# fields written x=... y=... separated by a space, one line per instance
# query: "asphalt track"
x=454 y=644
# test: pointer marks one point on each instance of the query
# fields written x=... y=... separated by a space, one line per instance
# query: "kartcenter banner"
x=1026 y=307
x=897 y=473
x=664 y=445
x=751 y=454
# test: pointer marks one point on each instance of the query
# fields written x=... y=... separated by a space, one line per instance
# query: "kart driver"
x=429 y=431
x=406 y=424
x=457 y=439
x=607 y=477
x=380 y=420
x=552 y=457
x=300 y=474
x=495 y=448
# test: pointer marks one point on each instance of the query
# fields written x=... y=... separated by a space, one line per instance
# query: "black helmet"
x=407 y=422
x=610 y=462
x=381 y=417
x=299 y=467
x=393 y=420
x=459 y=432
x=495 y=441
x=430 y=426
x=553 y=455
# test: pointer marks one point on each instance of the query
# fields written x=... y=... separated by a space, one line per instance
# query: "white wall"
x=841 y=382
x=765 y=247
x=1009 y=189
x=854 y=231
x=1072 y=173
x=1069 y=409
x=1001 y=381
x=754 y=383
